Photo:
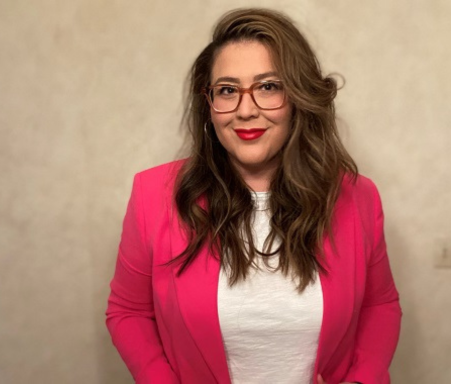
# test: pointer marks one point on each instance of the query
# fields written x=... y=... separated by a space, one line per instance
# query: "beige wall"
x=90 y=93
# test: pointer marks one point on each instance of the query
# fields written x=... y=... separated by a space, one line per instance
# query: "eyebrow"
x=228 y=79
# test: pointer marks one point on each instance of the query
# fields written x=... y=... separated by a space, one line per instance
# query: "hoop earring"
x=210 y=138
x=206 y=130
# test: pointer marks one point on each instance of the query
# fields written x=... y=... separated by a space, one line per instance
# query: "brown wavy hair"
x=213 y=201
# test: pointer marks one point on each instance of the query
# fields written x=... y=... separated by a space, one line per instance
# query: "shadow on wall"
x=402 y=369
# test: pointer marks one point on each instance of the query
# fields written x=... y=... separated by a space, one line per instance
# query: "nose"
x=247 y=108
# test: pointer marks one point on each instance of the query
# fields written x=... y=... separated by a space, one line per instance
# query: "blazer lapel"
x=337 y=285
x=197 y=292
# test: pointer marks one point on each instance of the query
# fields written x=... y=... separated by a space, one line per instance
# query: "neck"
x=258 y=178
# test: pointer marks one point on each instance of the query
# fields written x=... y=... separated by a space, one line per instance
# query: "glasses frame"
x=250 y=90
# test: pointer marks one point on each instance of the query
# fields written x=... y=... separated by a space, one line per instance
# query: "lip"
x=250 y=134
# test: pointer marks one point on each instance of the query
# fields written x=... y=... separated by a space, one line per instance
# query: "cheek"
x=220 y=120
x=282 y=119
x=285 y=114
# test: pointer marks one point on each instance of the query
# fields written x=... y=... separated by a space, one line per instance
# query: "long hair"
x=214 y=203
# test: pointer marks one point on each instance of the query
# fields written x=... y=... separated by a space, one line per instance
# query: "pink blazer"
x=167 y=330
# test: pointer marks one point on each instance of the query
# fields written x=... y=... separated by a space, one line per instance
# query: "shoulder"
x=160 y=175
x=153 y=191
x=359 y=188
x=155 y=185
x=359 y=185
x=163 y=172
x=359 y=194
x=359 y=203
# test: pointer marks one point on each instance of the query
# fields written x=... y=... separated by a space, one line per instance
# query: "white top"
x=270 y=331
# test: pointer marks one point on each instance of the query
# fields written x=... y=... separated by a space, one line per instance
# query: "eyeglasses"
x=226 y=98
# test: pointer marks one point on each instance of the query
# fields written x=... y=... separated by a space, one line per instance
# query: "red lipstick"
x=250 y=134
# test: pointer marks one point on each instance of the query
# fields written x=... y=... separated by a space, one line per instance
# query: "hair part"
x=213 y=201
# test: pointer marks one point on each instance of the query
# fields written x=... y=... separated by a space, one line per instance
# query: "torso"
x=270 y=331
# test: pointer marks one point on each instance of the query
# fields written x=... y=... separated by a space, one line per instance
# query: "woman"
x=260 y=258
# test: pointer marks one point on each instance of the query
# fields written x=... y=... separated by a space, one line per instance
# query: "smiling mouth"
x=250 y=134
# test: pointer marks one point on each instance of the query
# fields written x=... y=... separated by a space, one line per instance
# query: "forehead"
x=243 y=60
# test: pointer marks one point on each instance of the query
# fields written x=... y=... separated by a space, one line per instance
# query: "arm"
x=130 y=313
x=379 y=322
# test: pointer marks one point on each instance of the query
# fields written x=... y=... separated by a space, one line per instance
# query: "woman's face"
x=242 y=64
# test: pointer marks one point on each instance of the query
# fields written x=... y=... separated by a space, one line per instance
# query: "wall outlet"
x=443 y=254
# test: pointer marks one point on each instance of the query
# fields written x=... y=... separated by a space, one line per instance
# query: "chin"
x=254 y=163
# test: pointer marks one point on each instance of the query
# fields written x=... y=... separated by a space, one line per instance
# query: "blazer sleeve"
x=130 y=313
x=380 y=317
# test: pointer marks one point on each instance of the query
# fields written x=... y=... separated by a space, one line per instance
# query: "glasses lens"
x=225 y=98
x=269 y=94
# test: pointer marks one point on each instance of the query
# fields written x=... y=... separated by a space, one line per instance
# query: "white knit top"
x=270 y=331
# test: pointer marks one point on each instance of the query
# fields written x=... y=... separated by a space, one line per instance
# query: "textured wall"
x=91 y=94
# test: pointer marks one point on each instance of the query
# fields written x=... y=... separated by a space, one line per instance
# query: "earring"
x=207 y=126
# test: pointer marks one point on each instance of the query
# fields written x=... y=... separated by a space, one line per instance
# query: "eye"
x=225 y=90
x=270 y=86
